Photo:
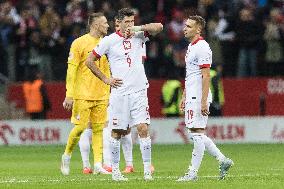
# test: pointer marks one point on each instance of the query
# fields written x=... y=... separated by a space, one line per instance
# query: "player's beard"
x=103 y=31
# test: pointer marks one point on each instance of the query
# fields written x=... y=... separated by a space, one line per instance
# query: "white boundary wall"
x=163 y=131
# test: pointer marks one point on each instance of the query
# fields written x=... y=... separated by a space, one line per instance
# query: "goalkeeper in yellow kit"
x=86 y=95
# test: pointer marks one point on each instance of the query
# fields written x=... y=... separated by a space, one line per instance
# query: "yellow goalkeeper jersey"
x=81 y=83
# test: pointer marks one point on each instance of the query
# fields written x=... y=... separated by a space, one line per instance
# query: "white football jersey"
x=198 y=55
x=124 y=56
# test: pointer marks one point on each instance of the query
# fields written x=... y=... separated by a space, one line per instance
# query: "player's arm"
x=73 y=62
x=113 y=82
x=205 y=72
x=151 y=28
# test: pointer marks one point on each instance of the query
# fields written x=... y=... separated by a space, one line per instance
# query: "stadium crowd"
x=246 y=36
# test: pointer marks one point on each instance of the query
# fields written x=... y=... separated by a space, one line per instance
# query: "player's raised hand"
x=114 y=82
x=129 y=32
x=204 y=109
x=68 y=103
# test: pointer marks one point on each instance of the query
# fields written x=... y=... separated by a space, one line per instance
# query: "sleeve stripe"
x=96 y=54
x=144 y=58
x=205 y=66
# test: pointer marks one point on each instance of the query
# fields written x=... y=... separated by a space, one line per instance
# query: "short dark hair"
x=199 y=21
x=125 y=12
x=94 y=16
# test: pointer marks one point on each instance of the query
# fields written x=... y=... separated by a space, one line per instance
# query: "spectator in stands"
x=75 y=11
x=274 y=38
x=36 y=99
x=60 y=22
x=26 y=25
x=9 y=18
x=225 y=33
x=249 y=33
x=175 y=34
x=35 y=50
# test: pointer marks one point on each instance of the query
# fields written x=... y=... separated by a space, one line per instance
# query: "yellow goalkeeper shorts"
x=84 y=111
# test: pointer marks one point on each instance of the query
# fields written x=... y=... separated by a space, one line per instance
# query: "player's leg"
x=106 y=148
x=115 y=154
x=196 y=123
x=224 y=163
x=140 y=117
x=98 y=119
x=127 y=147
x=119 y=112
x=80 y=118
x=84 y=144
x=196 y=158
x=145 y=148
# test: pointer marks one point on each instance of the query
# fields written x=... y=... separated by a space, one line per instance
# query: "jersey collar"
x=119 y=33
x=198 y=39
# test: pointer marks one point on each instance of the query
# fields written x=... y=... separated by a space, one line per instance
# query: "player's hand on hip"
x=114 y=82
x=68 y=103
x=182 y=105
x=204 y=109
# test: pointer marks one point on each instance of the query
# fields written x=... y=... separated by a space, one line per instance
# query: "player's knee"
x=143 y=130
x=78 y=130
x=117 y=133
x=84 y=145
x=97 y=128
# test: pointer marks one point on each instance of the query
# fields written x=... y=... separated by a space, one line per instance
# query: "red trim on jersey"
x=146 y=34
x=119 y=33
x=96 y=54
x=198 y=39
x=204 y=66
x=144 y=57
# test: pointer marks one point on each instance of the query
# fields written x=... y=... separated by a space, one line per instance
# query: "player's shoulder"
x=80 y=39
x=109 y=39
x=111 y=36
x=202 y=44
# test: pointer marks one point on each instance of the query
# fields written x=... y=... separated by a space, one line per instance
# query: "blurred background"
x=246 y=37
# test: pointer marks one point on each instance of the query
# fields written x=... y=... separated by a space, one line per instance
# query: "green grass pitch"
x=256 y=166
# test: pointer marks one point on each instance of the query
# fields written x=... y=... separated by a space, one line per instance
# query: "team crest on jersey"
x=78 y=117
x=126 y=45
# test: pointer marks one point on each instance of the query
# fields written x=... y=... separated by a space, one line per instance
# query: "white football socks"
x=145 y=148
x=127 y=146
x=84 y=144
x=212 y=149
x=198 y=151
x=202 y=142
x=115 y=154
